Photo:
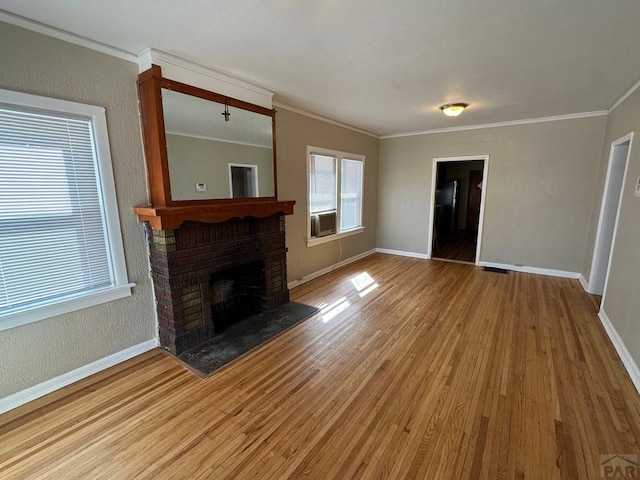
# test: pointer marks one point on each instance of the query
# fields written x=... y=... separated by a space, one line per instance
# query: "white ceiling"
x=384 y=66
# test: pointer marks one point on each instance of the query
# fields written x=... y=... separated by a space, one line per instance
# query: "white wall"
x=39 y=351
x=538 y=189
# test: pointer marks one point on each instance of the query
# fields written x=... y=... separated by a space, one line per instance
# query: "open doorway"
x=457 y=208
x=243 y=180
x=609 y=210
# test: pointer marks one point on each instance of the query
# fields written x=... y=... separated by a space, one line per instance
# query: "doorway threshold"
x=450 y=260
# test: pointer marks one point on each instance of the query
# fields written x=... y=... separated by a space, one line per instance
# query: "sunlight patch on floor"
x=334 y=309
x=364 y=284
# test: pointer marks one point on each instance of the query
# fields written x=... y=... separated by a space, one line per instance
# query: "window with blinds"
x=336 y=182
x=351 y=194
x=56 y=244
x=322 y=183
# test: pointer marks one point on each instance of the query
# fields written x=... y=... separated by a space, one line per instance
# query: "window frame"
x=111 y=220
x=340 y=156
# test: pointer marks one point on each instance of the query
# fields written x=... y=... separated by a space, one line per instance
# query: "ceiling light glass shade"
x=453 y=109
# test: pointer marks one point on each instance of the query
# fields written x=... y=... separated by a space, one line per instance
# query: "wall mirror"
x=203 y=147
x=216 y=151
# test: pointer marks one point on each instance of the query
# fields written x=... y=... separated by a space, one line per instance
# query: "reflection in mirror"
x=243 y=181
x=210 y=157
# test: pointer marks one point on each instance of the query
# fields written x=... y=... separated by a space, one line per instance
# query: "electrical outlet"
x=637 y=194
x=201 y=187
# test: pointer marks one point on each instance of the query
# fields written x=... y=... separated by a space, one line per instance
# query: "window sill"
x=60 y=307
x=311 y=242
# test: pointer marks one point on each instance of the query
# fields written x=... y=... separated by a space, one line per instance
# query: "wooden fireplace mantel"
x=170 y=218
x=167 y=213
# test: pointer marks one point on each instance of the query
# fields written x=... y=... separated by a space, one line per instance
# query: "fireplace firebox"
x=237 y=293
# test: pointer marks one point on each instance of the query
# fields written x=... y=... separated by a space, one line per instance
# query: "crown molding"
x=185 y=71
x=38 y=27
x=571 y=116
x=624 y=96
x=306 y=113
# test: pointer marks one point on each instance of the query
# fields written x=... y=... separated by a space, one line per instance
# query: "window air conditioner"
x=323 y=224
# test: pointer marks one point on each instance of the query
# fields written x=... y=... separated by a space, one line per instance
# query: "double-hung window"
x=336 y=182
x=60 y=241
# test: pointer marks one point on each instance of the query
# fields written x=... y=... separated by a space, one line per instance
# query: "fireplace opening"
x=237 y=293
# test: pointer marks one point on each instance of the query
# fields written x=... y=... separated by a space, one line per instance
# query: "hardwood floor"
x=415 y=369
x=459 y=246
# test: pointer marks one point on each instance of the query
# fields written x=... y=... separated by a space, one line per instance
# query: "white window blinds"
x=53 y=235
x=351 y=194
x=322 y=183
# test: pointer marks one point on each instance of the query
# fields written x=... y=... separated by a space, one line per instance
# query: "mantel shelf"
x=170 y=218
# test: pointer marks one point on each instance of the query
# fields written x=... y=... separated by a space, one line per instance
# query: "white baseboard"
x=627 y=360
x=516 y=268
x=403 y=253
x=535 y=270
x=584 y=283
x=25 y=396
x=330 y=268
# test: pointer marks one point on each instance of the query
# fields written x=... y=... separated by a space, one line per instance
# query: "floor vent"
x=495 y=270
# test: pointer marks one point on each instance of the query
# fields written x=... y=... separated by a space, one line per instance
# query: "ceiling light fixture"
x=226 y=113
x=453 y=109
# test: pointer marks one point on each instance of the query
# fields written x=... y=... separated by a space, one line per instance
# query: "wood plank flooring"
x=413 y=369
x=459 y=246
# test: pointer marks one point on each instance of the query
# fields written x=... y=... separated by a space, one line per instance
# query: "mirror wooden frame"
x=150 y=85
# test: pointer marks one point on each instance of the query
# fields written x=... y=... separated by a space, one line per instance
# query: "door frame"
x=254 y=171
x=598 y=252
x=432 y=202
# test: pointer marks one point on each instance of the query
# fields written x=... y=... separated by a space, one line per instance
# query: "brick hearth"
x=184 y=260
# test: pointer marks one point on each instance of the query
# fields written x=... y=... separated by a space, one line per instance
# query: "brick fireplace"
x=206 y=274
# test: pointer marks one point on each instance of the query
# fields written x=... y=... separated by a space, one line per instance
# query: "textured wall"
x=294 y=133
x=36 y=64
x=621 y=300
x=539 y=189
